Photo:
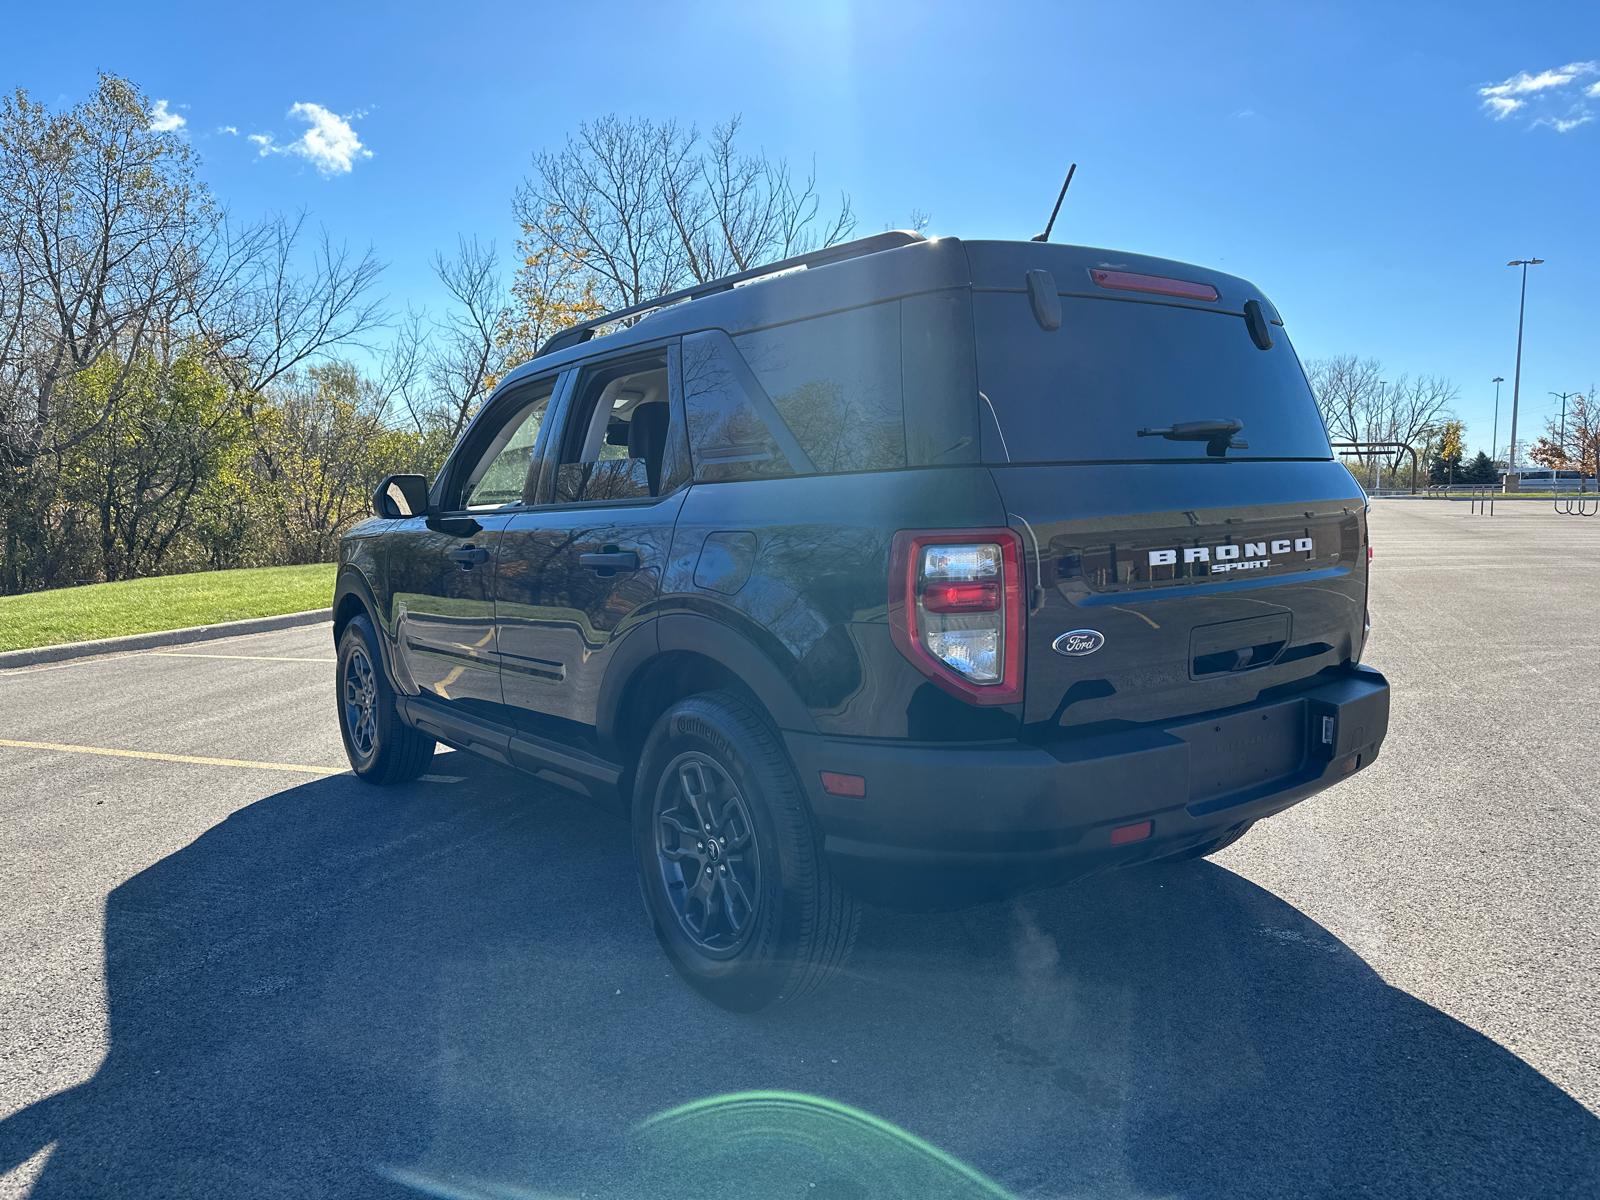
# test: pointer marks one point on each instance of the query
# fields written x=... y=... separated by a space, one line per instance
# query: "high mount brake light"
x=1160 y=285
x=956 y=612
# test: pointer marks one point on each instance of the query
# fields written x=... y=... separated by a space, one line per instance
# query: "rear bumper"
x=947 y=826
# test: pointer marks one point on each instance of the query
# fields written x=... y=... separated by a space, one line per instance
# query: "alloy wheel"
x=706 y=849
x=361 y=703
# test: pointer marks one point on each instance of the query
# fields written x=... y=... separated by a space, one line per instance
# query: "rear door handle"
x=467 y=555
x=610 y=562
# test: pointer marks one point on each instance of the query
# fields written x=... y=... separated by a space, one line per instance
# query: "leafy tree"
x=122 y=287
x=158 y=432
x=326 y=434
x=552 y=289
x=1481 y=470
x=1444 y=453
x=1572 y=444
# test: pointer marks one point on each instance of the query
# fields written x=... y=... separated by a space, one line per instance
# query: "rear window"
x=1082 y=392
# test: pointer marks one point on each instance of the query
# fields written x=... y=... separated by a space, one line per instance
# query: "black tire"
x=757 y=922
x=1205 y=849
x=381 y=747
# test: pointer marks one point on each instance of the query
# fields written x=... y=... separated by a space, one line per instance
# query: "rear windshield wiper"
x=1217 y=435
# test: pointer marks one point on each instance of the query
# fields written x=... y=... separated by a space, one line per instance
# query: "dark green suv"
x=919 y=572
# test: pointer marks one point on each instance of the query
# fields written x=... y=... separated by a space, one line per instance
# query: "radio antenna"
x=1045 y=236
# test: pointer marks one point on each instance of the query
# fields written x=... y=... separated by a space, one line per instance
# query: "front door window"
x=442 y=571
x=576 y=569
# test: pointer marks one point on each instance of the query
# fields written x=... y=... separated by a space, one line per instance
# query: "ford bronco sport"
x=918 y=572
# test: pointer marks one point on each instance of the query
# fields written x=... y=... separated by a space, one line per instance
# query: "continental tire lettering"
x=689 y=725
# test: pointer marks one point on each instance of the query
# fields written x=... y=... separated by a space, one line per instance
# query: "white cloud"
x=163 y=121
x=330 y=144
x=1521 y=83
x=233 y=129
x=1540 y=95
x=1561 y=125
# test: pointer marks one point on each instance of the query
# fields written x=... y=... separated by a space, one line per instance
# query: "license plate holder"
x=1232 y=753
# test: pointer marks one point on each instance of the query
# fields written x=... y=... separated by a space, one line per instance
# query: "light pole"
x=1377 y=463
x=1516 y=381
x=1494 y=443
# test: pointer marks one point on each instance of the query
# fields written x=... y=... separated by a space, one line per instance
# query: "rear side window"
x=1082 y=392
x=729 y=436
x=835 y=381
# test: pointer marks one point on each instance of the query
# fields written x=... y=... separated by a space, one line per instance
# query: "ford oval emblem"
x=1078 y=642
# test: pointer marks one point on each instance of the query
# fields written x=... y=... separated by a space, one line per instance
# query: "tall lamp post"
x=1494 y=443
x=1516 y=382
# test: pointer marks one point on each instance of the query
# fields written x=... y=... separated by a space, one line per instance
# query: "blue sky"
x=1346 y=157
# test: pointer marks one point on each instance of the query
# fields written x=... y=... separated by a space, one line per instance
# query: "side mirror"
x=400 y=496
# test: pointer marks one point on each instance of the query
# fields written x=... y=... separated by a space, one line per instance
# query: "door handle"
x=467 y=555
x=610 y=562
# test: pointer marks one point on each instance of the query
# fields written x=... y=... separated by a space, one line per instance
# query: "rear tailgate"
x=1156 y=444
x=1206 y=584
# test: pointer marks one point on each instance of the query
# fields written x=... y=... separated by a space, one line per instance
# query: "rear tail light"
x=955 y=610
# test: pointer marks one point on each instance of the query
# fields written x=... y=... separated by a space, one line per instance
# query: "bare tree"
x=1415 y=410
x=467 y=360
x=648 y=208
x=734 y=211
x=1348 y=390
x=1358 y=405
x=265 y=314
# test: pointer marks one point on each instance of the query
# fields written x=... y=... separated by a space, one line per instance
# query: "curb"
x=170 y=637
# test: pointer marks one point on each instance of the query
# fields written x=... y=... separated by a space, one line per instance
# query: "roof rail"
x=582 y=332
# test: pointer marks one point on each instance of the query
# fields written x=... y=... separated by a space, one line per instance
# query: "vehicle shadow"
x=340 y=985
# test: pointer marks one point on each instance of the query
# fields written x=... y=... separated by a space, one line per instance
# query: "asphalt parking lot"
x=263 y=977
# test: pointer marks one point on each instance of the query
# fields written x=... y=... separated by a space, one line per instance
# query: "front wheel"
x=381 y=747
x=730 y=859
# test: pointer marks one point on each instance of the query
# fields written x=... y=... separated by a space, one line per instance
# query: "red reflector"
x=1350 y=765
x=1131 y=833
x=1126 y=281
x=852 y=786
x=961 y=597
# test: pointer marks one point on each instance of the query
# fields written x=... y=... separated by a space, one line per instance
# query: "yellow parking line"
x=252 y=657
x=183 y=758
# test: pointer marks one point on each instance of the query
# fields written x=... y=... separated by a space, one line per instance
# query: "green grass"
x=101 y=610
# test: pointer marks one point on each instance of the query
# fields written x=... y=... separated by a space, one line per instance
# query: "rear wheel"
x=381 y=747
x=1206 y=849
x=730 y=859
